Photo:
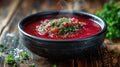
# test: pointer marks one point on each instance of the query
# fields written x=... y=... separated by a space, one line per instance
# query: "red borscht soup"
x=62 y=28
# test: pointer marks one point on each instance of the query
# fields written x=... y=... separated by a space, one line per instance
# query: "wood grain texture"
x=23 y=8
x=12 y=7
x=29 y=7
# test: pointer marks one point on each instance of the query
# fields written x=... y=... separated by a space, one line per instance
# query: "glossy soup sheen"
x=91 y=28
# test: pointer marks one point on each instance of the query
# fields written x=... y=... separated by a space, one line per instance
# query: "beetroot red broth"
x=90 y=28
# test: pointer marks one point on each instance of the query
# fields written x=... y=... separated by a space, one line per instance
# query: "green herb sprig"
x=9 y=60
x=24 y=56
x=111 y=14
x=54 y=65
x=2 y=48
x=32 y=65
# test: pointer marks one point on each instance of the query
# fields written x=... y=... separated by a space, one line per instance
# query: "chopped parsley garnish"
x=1 y=45
x=54 y=65
x=2 y=48
x=9 y=60
x=113 y=51
x=24 y=56
x=14 y=65
x=60 y=26
x=32 y=65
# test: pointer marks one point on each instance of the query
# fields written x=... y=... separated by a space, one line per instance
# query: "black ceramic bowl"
x=61 y=49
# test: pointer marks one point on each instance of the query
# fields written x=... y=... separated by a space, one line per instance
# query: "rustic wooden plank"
x=33 y=6
x=92 y=6
x=12 y=7
x=4 y=7
x=29 y=7
x=105 y=58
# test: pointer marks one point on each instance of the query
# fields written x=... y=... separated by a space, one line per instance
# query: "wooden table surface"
x=12 y=11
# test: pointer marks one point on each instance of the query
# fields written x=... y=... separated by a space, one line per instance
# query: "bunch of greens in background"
x=111 y=14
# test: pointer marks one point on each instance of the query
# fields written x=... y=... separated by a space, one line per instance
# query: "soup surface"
x=62 y=27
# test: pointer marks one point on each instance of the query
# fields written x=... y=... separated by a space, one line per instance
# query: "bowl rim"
x=69 y=40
